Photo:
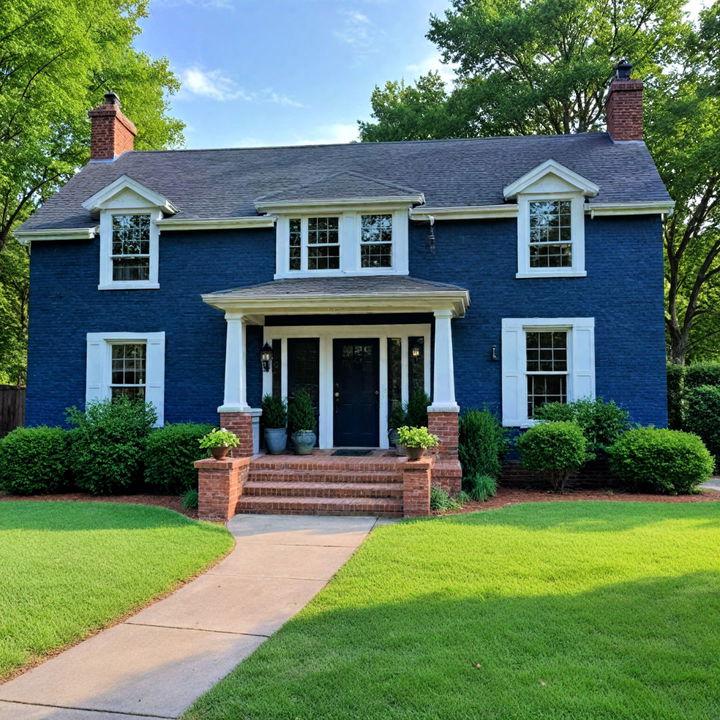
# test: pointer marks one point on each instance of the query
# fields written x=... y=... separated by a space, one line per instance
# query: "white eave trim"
x=464 y=212
x=27 y=236
x=96 y=202
x=361 y=203
x=228 y=223
x=550 y=167
x=654 y=207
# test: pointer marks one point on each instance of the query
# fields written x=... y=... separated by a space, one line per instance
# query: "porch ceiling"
x=357 y=294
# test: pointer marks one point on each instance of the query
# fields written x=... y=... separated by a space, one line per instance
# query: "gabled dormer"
x=129 y=235
x=342 y=224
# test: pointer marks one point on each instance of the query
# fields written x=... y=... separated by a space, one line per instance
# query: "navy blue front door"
x=356 y=392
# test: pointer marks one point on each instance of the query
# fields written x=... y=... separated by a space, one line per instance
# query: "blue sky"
x=287 y=72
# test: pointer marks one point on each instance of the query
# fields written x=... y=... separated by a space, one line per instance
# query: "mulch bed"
x=513 y=496
x=171 y=502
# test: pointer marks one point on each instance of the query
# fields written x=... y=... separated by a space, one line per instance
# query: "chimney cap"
x=112 y=99
x=623 y=70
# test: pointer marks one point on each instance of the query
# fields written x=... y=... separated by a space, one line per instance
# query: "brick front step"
x=295 y=488
x=382 y=507
x=328 y=464
x=259 y=474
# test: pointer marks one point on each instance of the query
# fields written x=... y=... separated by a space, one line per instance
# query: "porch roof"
x=356 y=294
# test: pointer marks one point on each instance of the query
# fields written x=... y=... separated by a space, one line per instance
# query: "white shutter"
x=513 y=373
x=583 y=359
x=155 y=374
x=97 y=350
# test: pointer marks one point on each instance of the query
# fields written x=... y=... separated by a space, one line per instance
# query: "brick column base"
x=241 y=423
x=416 y=487
x=220 y=484
x=447 y=471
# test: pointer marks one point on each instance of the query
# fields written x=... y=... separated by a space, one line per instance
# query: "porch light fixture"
x=266 y=356
x=415 y=351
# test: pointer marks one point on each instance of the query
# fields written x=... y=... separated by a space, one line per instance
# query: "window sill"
x=130 y=286
x=573 y=273
x=337 y=273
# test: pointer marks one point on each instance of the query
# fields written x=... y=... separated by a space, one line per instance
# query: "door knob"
x=337 y=395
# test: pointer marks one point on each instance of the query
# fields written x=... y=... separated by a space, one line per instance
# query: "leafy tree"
x=57 y=58
x=14 y=295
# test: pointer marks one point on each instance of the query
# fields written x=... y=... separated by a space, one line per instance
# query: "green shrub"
x=554 y=449
x=441 y=500
x=34 y=461
x=602 y=423
x=274 y=412
x=108 y=444
x=301 y=412
x=702 y=373
x=417 y=406
x=397 y=417
x=483 y=444
x=663 y=461
x=169 y=456
x=675 y=384
x=480 y=487
x=190 y=499
x=702 y=417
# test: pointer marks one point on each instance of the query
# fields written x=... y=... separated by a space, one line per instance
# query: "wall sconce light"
x=493 y=353
x=266 y=356
x=431 y=234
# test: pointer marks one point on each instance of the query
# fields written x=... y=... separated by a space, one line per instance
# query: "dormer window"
x=323 y=239
x=376 y=241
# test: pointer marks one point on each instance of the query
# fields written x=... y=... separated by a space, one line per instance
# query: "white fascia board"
x=654 y=207
x=96 y=202
x=337 y=204
x=465 y=212
x=228 y=223
x=553 y=167
x=27 y=236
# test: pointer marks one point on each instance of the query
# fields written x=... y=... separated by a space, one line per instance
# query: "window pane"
x=322 y=231
x=546 y=351
x=134 y=393
x=324 y=257
x=376 y=255
x=131 y=234
x=550 y=234
x=295 y=243
x=394 y=351
x=543 y=389
x=131 y=268
x=416 y=363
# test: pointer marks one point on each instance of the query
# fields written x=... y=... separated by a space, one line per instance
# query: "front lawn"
x=67 y=569
x=576 y=611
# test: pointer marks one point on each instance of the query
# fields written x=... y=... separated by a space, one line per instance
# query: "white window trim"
x=349 y=236
x=106 y=265
x=577 y=235
x=326 y=335
x=98 y=373
x=581 y=363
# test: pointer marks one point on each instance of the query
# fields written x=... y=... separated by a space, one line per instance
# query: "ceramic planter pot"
x=275 y=440
x=393 y=438
x=220 y=453
x=414 y=453
x=304 y=441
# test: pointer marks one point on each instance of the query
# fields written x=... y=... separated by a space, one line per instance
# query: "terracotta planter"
x=414 y=453
x=220 y=453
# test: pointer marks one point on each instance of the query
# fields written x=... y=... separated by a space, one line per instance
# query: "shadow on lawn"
x=641 y=649
x=590 y=516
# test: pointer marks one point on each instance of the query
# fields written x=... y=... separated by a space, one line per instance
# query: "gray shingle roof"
x=367 y=285
x=451 y=173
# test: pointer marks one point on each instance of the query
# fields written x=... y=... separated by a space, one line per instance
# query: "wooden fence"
x=12 y=408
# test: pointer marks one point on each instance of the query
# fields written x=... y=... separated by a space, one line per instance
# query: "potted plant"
x=301 y=422
x=397 y=418
x=219 y=442
x=416 y=440
x=274 y=416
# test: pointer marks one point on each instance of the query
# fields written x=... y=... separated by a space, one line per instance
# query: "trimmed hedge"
x=663 y=461
x=702 y=417
x=554 y=449
x=169 y=456
x=34 y=461
x=702 y=373
x=483 y=444
x=108 y=444
x=675 y=389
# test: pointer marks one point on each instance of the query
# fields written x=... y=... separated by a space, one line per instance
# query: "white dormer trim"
x=100 y=200
x=550 y=167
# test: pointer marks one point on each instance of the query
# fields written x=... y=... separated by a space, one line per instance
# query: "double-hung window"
x=546 y=367
x=376 y=241
x=127 y=371
x=323 y=243
x=130 y=247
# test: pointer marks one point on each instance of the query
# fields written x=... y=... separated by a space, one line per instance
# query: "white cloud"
x=214 y=84
x=331 y=134
x=356 y=30
x=433 y=63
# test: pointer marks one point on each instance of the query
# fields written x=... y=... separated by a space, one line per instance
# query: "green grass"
x=67 y=569
x=550 y=610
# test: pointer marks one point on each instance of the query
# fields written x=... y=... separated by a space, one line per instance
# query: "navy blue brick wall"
x=65 y=304
x=623 y=291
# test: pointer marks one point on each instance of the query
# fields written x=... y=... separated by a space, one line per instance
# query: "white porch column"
x=443 y=374
x=235 y=399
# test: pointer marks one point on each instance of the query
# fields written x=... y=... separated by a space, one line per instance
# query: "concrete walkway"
x=712 y=484
x=155 y=664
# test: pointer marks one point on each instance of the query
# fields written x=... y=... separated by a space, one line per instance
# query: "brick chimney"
x=112 y=133
x=625 y=105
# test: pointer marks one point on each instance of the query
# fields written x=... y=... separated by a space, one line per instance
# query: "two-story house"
x=504 y=272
